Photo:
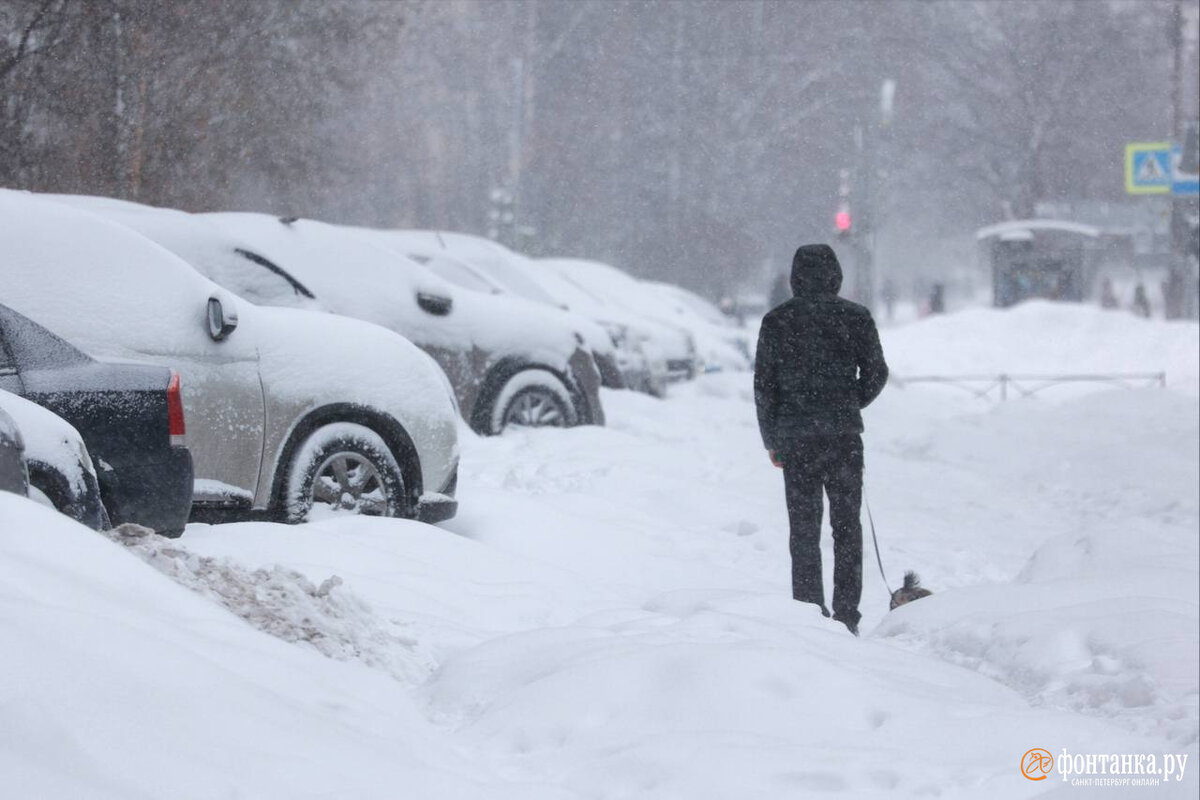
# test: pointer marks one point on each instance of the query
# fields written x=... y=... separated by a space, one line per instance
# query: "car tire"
x=534 y=398
x=345 y=467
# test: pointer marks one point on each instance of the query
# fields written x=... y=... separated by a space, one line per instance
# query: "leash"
x=875 y=539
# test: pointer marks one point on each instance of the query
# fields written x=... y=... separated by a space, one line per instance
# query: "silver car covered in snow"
x=286 y=410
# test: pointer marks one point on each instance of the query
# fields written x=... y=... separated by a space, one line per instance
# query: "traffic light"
x=501 y=216
x=842 y=221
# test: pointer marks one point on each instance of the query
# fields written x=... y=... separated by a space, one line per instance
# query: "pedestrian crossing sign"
x=1148 y=168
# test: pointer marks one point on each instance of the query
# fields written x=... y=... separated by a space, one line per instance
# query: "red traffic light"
x=841 y=221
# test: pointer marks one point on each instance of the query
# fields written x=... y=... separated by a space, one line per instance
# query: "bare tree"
x=1037 y=95
x=685 y=140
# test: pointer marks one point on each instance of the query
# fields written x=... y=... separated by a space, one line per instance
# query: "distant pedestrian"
x=780 y=291
x=889 y=298
x=1141 y=303
x=819 y=363
x=1108 y=296
x=937 y=299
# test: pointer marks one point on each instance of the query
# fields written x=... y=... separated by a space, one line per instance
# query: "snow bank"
x=718 y=695
x=119 y=683
x=1044 y=337
x=1098 y=490
x=1120 y=643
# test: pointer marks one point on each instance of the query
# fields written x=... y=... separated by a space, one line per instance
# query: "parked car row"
x=651 y=350
x=288 y=412
x=318 y=367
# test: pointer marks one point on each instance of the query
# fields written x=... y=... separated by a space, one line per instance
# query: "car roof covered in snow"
x=504 y=266
x=352 y=273
x=217 y=254
x=96 y=283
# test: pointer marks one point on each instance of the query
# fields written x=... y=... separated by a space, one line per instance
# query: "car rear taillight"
x=175 y=426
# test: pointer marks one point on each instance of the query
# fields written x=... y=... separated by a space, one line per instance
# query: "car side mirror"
x=222 y=316
x=438 y=305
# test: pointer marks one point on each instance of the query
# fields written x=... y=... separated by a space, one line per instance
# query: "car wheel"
x=348 y=468
x=534 y=398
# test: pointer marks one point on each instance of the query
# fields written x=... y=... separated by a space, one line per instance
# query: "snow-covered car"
x=620 y=290
x=638 y=358
x=482 y=265
x=14 y=474
x=721 y=343
x=130 y=416
x=510 y=361
x=61 y=473
x=286 y=409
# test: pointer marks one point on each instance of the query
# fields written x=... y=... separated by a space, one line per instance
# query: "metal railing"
x=1027 y=385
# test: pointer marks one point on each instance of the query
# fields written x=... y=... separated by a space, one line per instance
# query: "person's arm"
x=766 y=386
x=872 y=369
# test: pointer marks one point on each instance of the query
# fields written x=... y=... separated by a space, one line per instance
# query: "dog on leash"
x=911 y=590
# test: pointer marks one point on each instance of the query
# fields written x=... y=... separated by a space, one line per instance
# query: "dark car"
x=14 y=477
x=129 y=415
x=60 y=469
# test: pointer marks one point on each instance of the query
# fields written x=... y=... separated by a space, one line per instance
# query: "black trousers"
x=833 y=464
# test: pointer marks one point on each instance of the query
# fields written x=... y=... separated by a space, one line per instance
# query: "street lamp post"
x=872 y=146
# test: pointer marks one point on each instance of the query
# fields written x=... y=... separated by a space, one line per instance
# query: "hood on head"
x=815 y=271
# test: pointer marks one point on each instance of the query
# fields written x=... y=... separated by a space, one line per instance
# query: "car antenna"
x=441 y=241
x=288 y=220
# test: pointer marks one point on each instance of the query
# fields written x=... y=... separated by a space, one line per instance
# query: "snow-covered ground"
x=609 y=616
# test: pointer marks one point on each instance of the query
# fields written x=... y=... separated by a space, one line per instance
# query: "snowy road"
x=610 y=614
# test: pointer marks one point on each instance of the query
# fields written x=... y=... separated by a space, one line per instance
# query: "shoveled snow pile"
x=328 y=617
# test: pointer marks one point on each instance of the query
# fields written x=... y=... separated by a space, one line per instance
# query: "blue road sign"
x=1183 y=184
x=1148 y=167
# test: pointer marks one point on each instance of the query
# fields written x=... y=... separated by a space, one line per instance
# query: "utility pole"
x=864 y=283
x=1179 y=292
x=871 y=144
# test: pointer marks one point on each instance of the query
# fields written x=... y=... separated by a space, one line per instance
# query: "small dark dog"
x=911 y=590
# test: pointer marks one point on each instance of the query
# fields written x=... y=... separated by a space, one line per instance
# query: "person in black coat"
x=819 y=363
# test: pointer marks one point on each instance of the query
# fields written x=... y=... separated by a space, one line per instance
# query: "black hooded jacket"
x=819 y=360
